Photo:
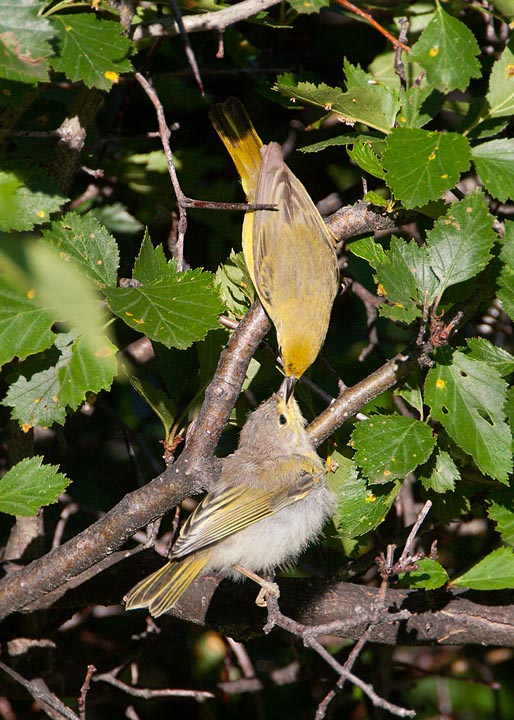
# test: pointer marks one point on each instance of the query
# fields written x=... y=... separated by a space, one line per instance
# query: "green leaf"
x=420 y=165
x=34 y=198
x=467 y=397
x=497 y=357
x=233 y=279
x=67 y=289
x=419 y=105
x=494 y=572
x=444 y=474
x=82 y=240
x=359 y=508
x=506 y=279
x=389 y=447
x=494 y=162
x=447 y=49
x=117 y=219
x=500 y=97
x=91 y=49
x=307 y=7
x=162 y=405
x=405 y=277
x=25 y=324
x=29 y=485
x=430 y=575
x=374 y=198
x=24 y=41
x=367 y=249
x=151 y=265
x=87 y=370
x=501 y=511
x=340 y=140
x=174 y=308
x=363 y=153
x=505 y=7
x=459 y=243
x=35 y=401
x=373 y=105
x=410 y=391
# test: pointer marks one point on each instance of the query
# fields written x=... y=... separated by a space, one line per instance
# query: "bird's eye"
x=282 y=419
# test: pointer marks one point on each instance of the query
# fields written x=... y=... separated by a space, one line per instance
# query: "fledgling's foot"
x=268 y=587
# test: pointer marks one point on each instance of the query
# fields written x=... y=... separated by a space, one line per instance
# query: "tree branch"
x=204 y=21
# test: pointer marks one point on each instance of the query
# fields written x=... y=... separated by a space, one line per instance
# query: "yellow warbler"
x=290 y=251
x=270 y=502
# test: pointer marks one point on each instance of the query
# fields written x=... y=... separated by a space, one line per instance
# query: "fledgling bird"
x=289 y=251
x=270 y=502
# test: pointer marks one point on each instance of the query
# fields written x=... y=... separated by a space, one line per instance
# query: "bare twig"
x=187 y=44
x=309 y=635
x=69 y=509
x=407 y=550
x=84 y=691
x=149 y=693
x=218 y=20
x=49 y=702
x=371 y=304
x=371 y=20
x=183 y=201
x=399 y=67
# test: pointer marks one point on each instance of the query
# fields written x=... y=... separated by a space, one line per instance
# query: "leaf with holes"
x=467 y=397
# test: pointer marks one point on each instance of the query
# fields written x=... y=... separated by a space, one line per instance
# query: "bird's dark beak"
x=286 y=390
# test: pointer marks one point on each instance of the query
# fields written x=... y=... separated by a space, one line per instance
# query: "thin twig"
x=69 y=509
x=399 y=66
x=187 y=44
x=308 y=635
x=49 y=702
x=183 y=201
x=353 y=8
x=407 y=550
x=218 y=20
x=149 y=693
x=84 y=691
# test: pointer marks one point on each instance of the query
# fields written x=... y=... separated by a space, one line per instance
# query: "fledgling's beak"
x=286 y=389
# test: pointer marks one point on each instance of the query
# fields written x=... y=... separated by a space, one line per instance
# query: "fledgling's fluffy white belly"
x=276 y=540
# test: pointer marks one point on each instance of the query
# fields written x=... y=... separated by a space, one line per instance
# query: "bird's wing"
x=232 y=508
x=293 y=260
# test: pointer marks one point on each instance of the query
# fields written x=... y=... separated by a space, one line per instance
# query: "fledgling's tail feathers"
x=239 y=136
x=160 y=591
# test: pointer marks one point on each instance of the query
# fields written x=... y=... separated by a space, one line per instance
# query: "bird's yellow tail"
x=160 y=591
x=239 y=136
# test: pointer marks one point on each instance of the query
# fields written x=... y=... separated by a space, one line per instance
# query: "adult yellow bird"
x=270 y=502
x=289 y=251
